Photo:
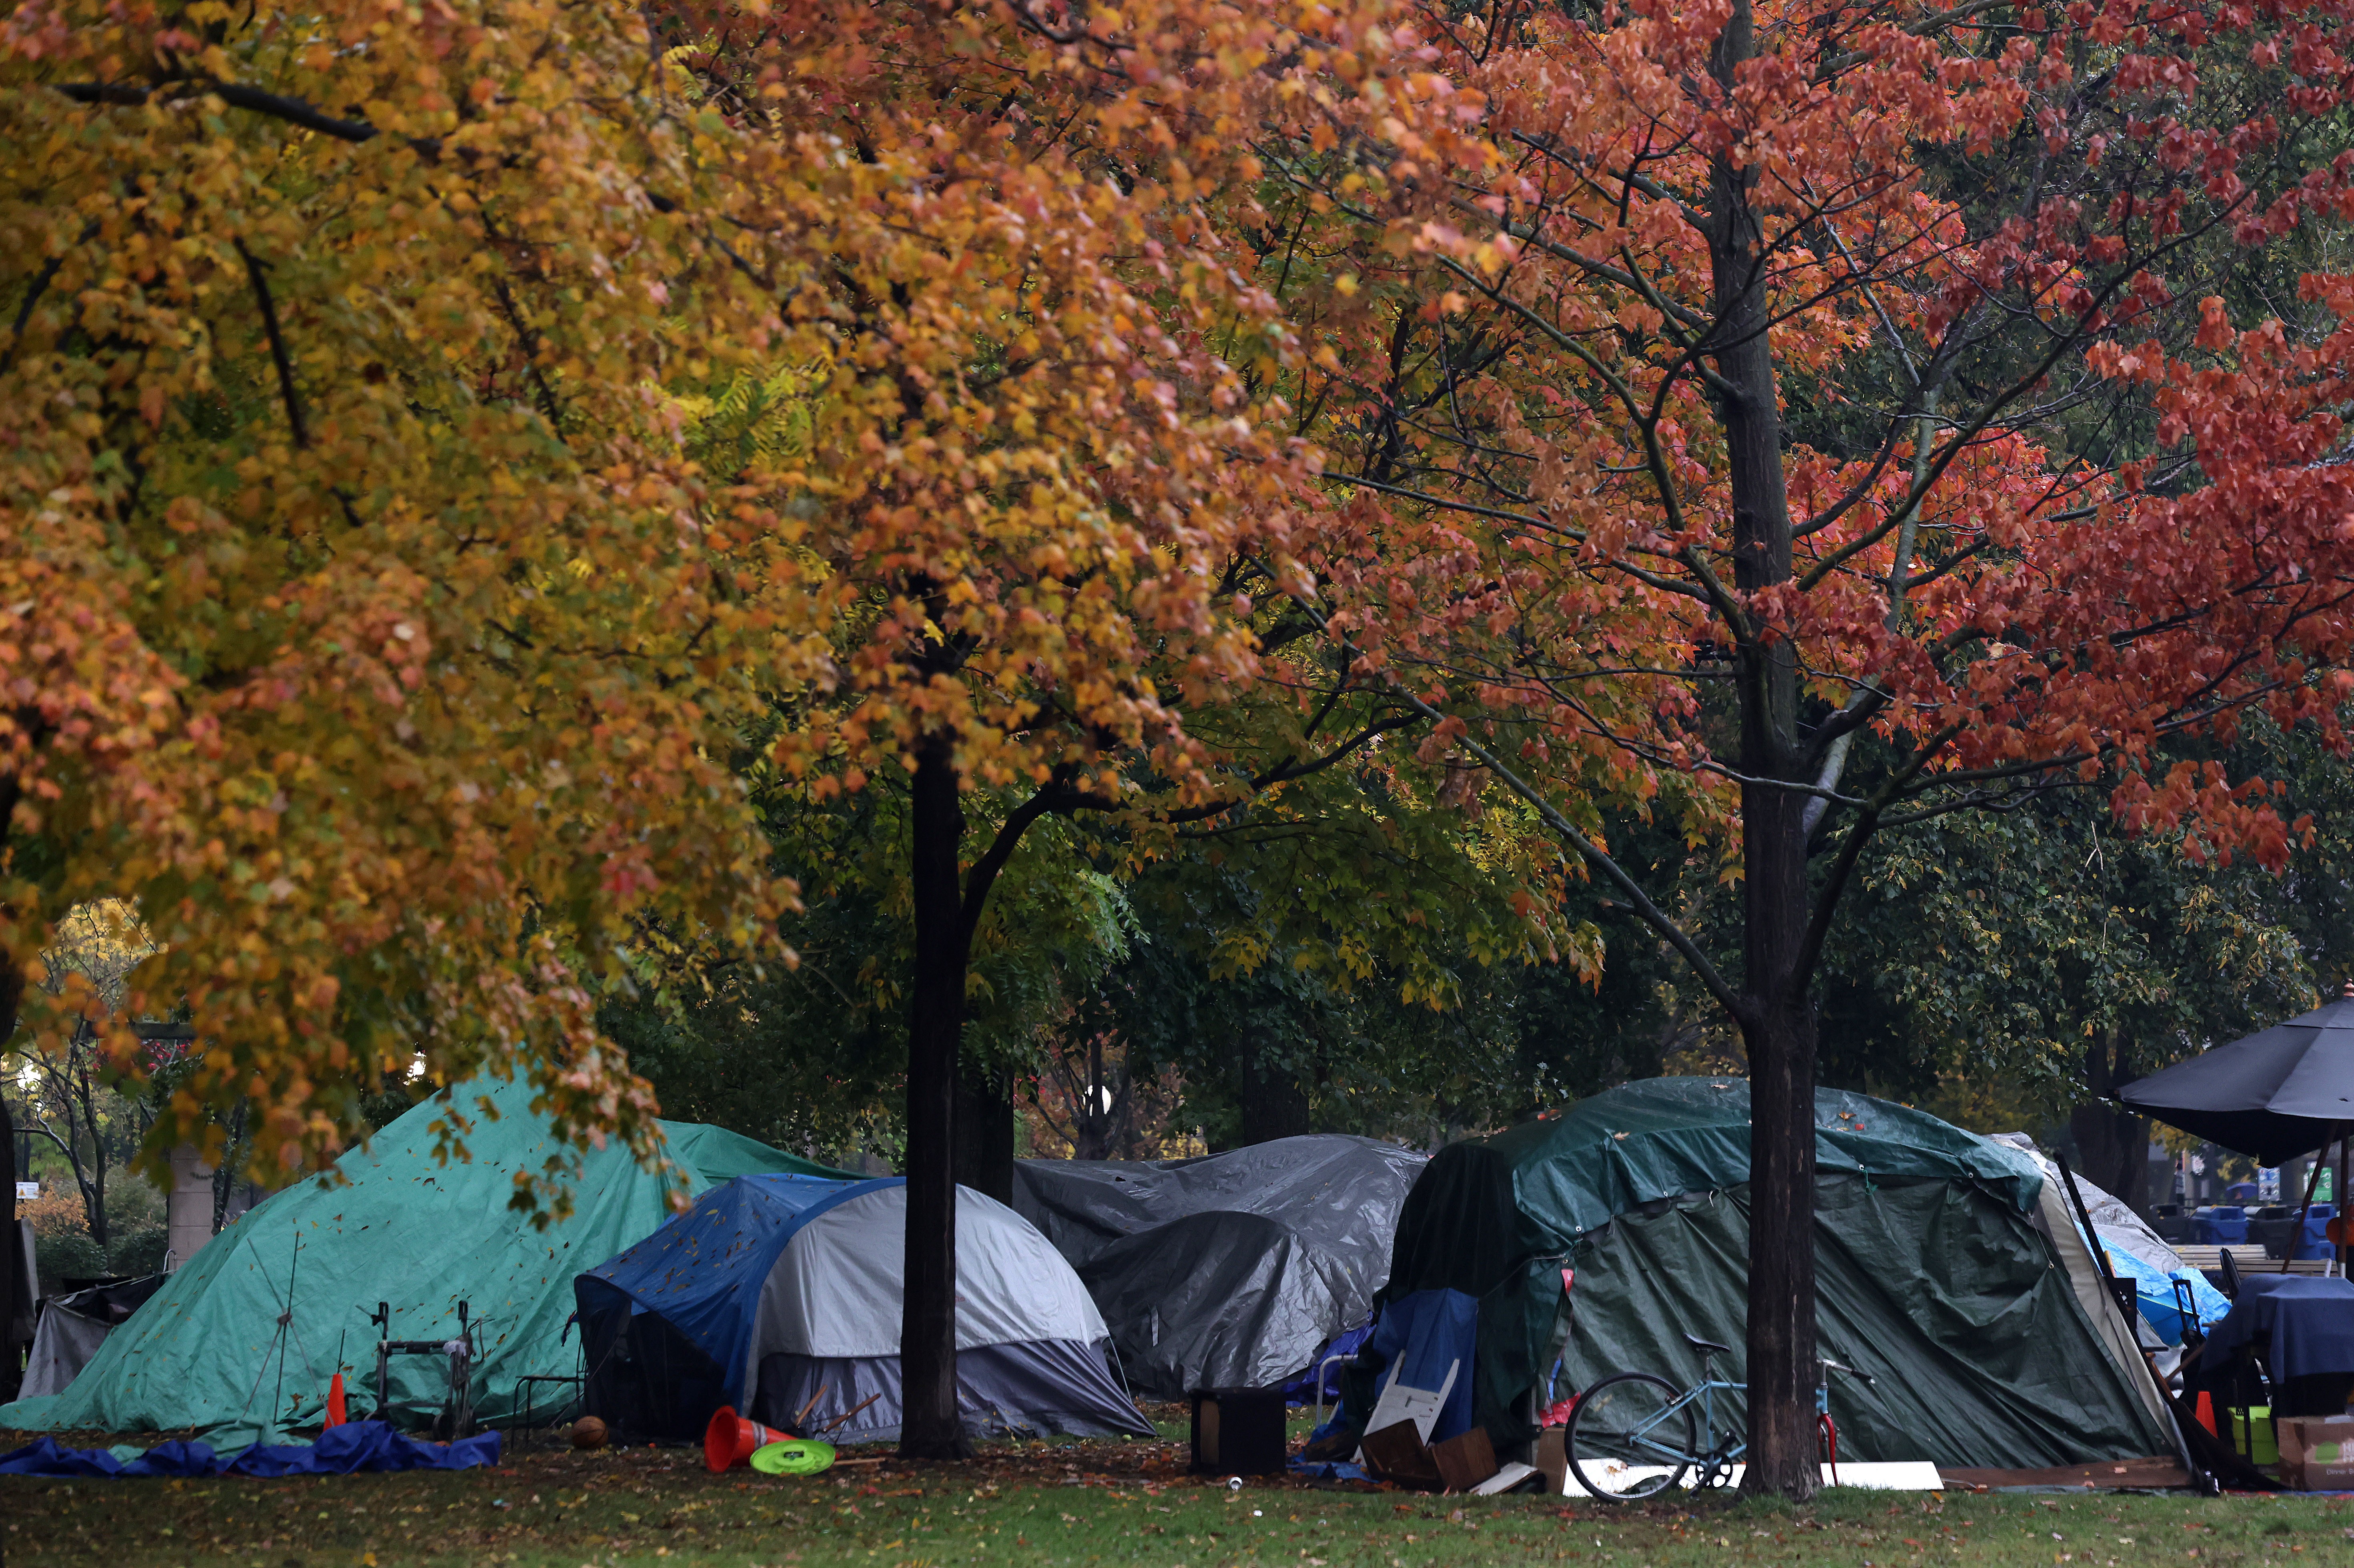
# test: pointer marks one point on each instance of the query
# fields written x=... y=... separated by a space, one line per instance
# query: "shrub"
x=57 y=1212
x=63 y=1247
x=65 y=1255
x=137 y=1250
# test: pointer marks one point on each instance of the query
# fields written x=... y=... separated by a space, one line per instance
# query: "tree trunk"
x=1780 y=1036
x=1777 y=1018
x=12 y=993
x=1781 y=1335
x=1274 y=1104
x=930 y=1427
x=232 y=1166
x=97 y=1205
x=984 y=1131
x=2115 y=1150
x=2112 y=1146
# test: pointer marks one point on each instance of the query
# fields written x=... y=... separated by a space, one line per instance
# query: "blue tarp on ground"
x=343 y=1450
x=1302 y=1390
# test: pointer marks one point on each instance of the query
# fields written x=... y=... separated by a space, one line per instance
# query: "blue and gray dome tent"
x=779 y=1296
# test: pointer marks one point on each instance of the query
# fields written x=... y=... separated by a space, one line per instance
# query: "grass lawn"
x=1082 y=1504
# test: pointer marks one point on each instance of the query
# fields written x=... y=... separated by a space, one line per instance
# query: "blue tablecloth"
x=2310 y=1322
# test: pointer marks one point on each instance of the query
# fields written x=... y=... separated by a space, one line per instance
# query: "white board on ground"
x=1881 y=1476
x=1890 y=1476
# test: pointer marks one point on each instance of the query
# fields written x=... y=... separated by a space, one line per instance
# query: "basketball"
x=589 y=1433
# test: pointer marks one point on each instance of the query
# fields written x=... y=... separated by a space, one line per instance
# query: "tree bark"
x=2112 y=1146
x=930 y=1427
x=12 y=999
x=1776 y=1016
x=1781 y=1333
x=12 y=992
x=86 y=1100
x=984 y=1131
x=1274 y=1104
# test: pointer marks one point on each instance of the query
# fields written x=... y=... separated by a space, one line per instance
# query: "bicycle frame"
x=1712 y=1456
x=1713 y=1464
x=1714 y=1461
x=1715 y=1457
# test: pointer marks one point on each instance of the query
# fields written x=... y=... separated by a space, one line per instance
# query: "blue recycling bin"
x=2224 y=1226
x=2315 y=1242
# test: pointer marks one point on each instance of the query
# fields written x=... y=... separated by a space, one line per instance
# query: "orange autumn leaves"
x=1048 y=417
x=1966 y=581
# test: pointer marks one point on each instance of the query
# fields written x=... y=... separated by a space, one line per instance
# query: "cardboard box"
x=1466 y=1460
x=2318 y=1453
x=1552 y=1458
x=1396 y=1453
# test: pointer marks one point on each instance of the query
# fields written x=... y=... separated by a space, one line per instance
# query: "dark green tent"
x=1935 y=1262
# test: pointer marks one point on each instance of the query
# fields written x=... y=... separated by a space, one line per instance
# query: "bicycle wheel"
x=1629 y=1438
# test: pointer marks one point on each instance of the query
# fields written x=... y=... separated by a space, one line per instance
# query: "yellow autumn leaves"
x=433 y=435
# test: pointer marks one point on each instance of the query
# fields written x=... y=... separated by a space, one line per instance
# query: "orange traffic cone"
x=2207 y=1410
x=335 y=1416
x=729 y=1440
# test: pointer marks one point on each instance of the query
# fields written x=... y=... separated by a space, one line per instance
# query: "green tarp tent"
x=1936 y=1272
x=407 y=1230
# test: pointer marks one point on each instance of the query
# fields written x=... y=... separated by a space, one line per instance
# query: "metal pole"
x=2312 y=1181
x=2338 y=1204
x=285 y=1322
x=2101 y=1258
x=2132 y=1316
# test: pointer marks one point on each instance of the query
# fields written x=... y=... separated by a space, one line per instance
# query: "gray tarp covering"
x=73 y=1326
x=62 y=1346
x=1228 y=1271
x=2117 y=1224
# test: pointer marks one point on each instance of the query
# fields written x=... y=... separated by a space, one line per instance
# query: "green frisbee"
x=793 y=1457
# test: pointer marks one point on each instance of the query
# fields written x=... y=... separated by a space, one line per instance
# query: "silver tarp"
x=1227 y=1271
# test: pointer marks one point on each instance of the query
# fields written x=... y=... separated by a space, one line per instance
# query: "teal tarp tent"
x=407 y=1230
x=1932 y=1273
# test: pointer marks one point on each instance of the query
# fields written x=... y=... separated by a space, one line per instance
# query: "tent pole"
x=2132 y=1316
x=2093 y=1240
x=2312 y=1183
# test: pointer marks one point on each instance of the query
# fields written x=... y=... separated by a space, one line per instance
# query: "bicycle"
x=1632 y=1435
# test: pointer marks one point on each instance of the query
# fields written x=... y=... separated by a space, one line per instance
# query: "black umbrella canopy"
x=2279 y=1093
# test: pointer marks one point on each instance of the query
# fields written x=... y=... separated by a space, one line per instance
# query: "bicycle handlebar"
x=1829 y=1365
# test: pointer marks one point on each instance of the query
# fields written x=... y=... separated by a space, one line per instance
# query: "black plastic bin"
x=1238 y=1431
